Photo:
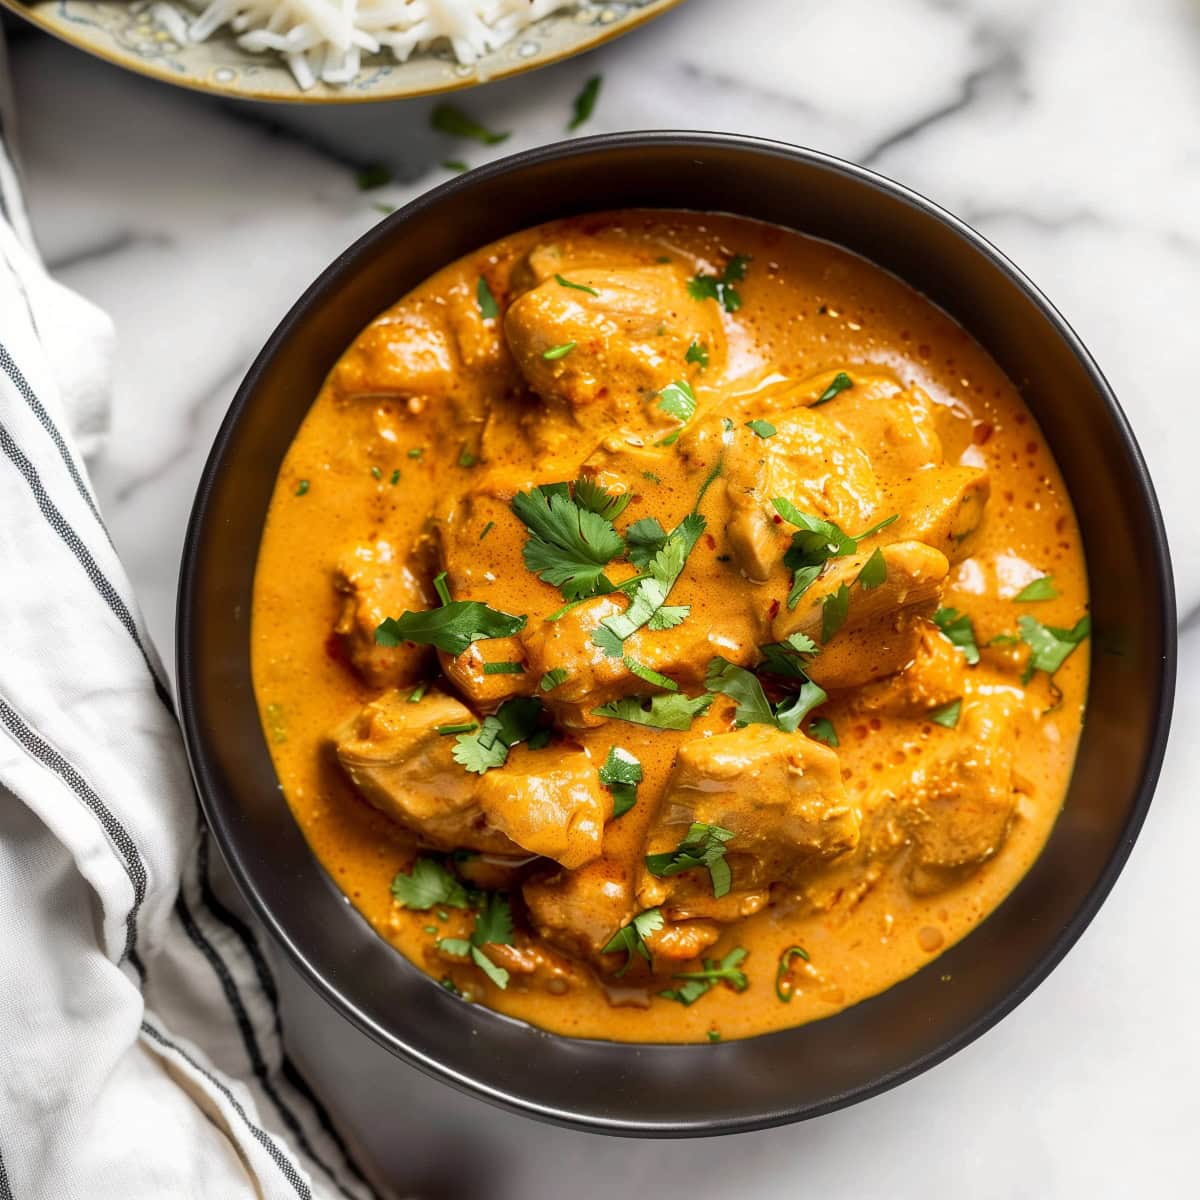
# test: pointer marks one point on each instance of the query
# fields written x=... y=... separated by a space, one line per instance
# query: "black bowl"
x=679 y=1090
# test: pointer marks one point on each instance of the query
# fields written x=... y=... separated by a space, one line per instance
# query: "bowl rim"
x=511 y=1099
x=117 y=56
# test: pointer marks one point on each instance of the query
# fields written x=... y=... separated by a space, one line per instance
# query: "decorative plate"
x=137 y=34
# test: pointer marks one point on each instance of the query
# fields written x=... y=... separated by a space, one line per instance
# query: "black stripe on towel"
x=266 y=981
x=118 y=835
x=264 y=1139
x=19 y=381
x=77 y=547
x=5 y=1189
x=249 y=1039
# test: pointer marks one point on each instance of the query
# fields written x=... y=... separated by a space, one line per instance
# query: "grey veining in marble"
x=1068 y=131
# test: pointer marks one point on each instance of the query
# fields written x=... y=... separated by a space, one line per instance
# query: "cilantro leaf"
x=559 y=351
x=631 y=937
x=1037 y=589
x=516 y=720
x=947 y=716
x=789 y=657
x=590 y=495
x=451 y=628
x=742 y=686
x=644 y=539
x=577 y=287
x=720 y=287
x=816 y=542
x=841 y=381
x=552 y=679
x=764 y=429
x=669 y=616
x=874 y=571
x=697 y=352
x=958 y=629
x=621 y=774
x=821 y=728
x=426 y=885
x=678 y=400
x=569 y=545
x=835 y=608
x=488 y=308
x=789 y=713
x=649 y=675
x=493 y=922
x=585 y=102
x=672 y=711
x=457 y=946
x=704 y=846
x=697 y=983
x=1051 y=646
x=450 y=119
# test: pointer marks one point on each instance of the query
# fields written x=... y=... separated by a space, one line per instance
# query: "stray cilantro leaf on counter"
x=947 y=716
x=427 y=885
x=302 y=488
x=704 y=846
x=841 y=381
x=720 y=287
x=373 y=175
x=578 y=287
x=489 y=310
x=697 y=353
x=835 y=608
x=1051 y=646
x=874 y=571
x=698 y=982
x=450 y=119
x=621 y=774
x=557 y=352
x=380 y=207
x=1037 y=589
x=783 y=983
x=552 y=679
x=516 y=720
x=814 y=543
x=822 y=730
x=569 y=544
x=585 y=102
x=455 y=164
x=958 y=629
x=672 y=711
x=451 y=628
x=649 y=674
x=632 y=937
x=764 y=429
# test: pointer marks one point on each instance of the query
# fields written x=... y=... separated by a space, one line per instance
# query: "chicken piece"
x=548 y=802
x=882 y=628
x=941 y=507
x=893 y=426
x=580 y=910
x=393 y=754
x=961 y=804
x=477 y=340
x=406 y=353
x=933 y=679
x=810 y=461
x=629 y=340
x=680 y=942
x=484 y=691
x=375 y=583
x=780 y=794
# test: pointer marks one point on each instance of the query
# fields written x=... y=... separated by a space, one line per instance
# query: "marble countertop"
x=1068 y=132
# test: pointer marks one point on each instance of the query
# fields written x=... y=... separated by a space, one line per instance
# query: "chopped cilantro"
x=417 y=451
x=958 y=629
x=704 y=846
x=376 y=473
x=713 y=1035
x=590 y=495
x=373 y=175
x=466 y=458
x=455 y=164
x=503 y=668
x=489 y=310
x=460 y=727
x=585 y=102
x=874 y=571
x=697 y=353
x=450 y=119
x=516 y=720
x=764 y=429
x=487 y=529
x=672 y=711
x=835 y=608
x=426 y=885
x=552 y=679
x=720 y=287
x=621 y=774
x=821 y=728
x=579 y=287
x=789 y=657
x=649 y=675
x=841 y=381
x=644 y=539
x=418 y=693
x=302 y=488
x=1051 y=646
x=395 y=479
x=726 y=971
x=557 y=352
x=753 y=707
x=947 y=716
x=451 y=628
x=632 y=937
x=1037 y=589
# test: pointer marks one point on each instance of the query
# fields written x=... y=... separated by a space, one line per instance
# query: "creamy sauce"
x=808 y=308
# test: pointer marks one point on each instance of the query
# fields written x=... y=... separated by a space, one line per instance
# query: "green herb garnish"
x=947 y=716
x=1037 y=589
x=704 y=846
x=621 y=774
x=450 y=119
x=835 y=608
x=585 y=102
x=874 y=571
x=821 y=728
x=373 y=175
x=451 y=628
x=841 y=381
x=489 y=310
x=753 y=707
x=720 y=287
x=418 y=693
x=516 y=720
x=764 y=429
x=503 y=668
x=455 y=164
x=579 y=287
x=672 y=711
x=678 y=400
x=376 y=473
x=552 y=678
x=302 y=488
x=487 y=529
x=697 y=353
x=426 y=885
x=1051 y=646
x=458 y=727
x=697 y=983
x=557 y=352
x=649 y=674
x=957 y=628
x=632 y=937
x=493 y=926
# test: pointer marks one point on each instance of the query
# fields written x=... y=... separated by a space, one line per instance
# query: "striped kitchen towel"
x=140 y=1044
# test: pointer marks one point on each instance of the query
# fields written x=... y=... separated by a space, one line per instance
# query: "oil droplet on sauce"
x=930 y=939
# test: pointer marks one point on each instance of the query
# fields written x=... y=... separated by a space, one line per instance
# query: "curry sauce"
x=775 y=618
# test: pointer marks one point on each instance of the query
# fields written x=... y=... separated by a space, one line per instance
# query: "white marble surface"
x=1068 y=131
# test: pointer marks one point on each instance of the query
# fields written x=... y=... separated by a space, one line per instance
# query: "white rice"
x=325 y=39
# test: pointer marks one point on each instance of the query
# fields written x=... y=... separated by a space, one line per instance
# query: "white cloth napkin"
x=140 y=1049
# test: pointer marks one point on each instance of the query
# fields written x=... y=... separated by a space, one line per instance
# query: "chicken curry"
x=669 y=627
